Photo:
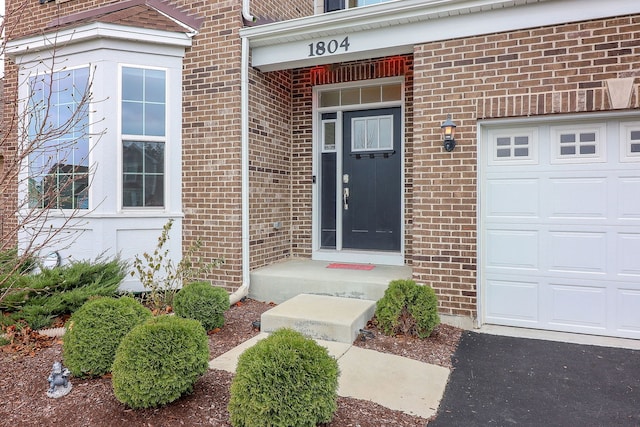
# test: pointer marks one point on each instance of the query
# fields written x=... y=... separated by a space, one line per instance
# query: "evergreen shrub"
x=202 y=302
x=408 y=308
x=284 y=380
x=159 y=361
x=94 y=332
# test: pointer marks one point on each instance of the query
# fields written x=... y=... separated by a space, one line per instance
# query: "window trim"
x=600 y=155
x=122 y=138
x=625 y=142
x=89 y=136
x=533 y=146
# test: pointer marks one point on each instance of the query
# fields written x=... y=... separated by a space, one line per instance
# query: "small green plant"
x=284 y=380
x=408 y=308
x=95 y=330
x=161 y=277
x=202 y=302
x=159 y=361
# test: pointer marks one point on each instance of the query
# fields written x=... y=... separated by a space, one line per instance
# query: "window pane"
x=330 y=98
x=350 y=96
x=154 y=86
x=370 y=94
x=392 y=92
x=132 y=84
x=635 y=148
x=566 y=138
x=154 y=190
x=521 y=152
x=565 y=151
x=386 y=140
x=635 y=135
x=503 y=152
x=372 y=134
x=359 y=136
x=503 y=141
x=154 y=120
x=143 y=174
x=587 y=149
x=588 y=137
x=132 y=114
x=521 y=140
x=329 y=134
x=143 y=110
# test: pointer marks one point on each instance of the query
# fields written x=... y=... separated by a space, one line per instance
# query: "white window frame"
x=600 y=155
x=530 y=159
x=25 y=168
x=122 y=138
x=625 y=141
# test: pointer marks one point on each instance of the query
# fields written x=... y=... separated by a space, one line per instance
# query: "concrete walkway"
x=391 y=381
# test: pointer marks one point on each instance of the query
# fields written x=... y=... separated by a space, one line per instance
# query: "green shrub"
x=40 y=298
x=202 y=302
x=284 y=380
x=94 y=332
x=408 y=308
x=159 y=361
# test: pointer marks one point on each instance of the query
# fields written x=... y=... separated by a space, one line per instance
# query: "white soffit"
x=94 y=31
x=394 y=27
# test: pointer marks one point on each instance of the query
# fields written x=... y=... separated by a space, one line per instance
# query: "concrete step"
x=282 y=281
x=321 y=317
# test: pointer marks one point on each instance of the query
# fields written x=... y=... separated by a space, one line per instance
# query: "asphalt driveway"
x=504 y=381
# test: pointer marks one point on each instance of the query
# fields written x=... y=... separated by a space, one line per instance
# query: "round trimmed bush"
x=203 y=302
x=284 y=380
x=408 y=308
x=159 y=361
x=94 y=332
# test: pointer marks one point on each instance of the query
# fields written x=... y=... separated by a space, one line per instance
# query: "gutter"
x=243 y=290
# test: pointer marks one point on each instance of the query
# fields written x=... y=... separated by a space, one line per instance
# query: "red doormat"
x=351 y=266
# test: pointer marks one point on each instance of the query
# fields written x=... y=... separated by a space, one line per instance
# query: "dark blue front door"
x=371 y=180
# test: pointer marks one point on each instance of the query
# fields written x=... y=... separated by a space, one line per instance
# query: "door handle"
x=345 y=198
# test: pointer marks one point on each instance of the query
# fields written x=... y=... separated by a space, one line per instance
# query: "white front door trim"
x=352 y=256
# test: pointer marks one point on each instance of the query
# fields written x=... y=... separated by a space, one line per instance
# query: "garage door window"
x=630 y=142
x=513 y=146
x=576 y=145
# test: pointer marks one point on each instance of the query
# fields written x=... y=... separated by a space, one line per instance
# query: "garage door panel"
x=512 y=300
x=578 y=197
x=627 y=313
x=513 y=198
x=512 y=249
x=578 y=306
x=578 y=252
x=629 y=200
x=628 y=245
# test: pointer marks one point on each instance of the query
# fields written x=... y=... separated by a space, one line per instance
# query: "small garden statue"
x=59 y=384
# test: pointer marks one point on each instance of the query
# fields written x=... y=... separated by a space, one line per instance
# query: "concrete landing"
x=394 y=382
x=284 y=280
x=320 y=317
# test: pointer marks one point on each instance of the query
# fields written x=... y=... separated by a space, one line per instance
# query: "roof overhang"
x=395 y=27
x=94 y=31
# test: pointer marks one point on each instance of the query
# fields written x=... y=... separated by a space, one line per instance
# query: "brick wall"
x=212 y=143
x=560 y=69
x=303 y=82
x=212 y=133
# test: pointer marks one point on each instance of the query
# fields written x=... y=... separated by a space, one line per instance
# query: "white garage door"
x=560 y=226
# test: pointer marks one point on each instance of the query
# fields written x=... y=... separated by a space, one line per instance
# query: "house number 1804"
x=332 y=46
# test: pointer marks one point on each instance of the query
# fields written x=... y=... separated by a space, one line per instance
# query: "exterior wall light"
x=448 y=133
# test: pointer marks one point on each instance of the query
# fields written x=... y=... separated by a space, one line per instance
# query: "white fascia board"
x=399 y=25
x=93 y=31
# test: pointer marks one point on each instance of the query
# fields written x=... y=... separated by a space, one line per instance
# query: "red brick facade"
x=535 y=72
